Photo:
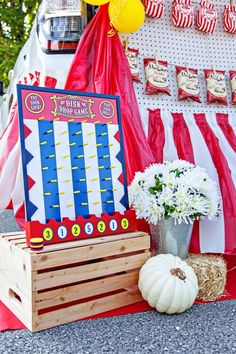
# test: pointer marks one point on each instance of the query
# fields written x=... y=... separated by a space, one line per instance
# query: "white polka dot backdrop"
x=179 y=46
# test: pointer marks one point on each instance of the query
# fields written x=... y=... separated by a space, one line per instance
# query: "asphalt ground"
x=7 y=222
x=203 y=329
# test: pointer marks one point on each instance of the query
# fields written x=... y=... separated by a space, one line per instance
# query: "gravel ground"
x=203 y=329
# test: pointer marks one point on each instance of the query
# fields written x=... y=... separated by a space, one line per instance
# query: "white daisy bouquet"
x=175 y=189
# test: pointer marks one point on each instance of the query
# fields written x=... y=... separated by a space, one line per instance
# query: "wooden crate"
x=70 y=281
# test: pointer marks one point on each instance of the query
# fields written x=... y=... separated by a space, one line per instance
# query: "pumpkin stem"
x=177 y=272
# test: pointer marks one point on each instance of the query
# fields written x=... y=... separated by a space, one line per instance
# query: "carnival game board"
x=73 y=164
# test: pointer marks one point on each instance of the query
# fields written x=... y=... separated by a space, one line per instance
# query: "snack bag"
x=216 y=88
x=154 y=8
x=229 y=18
x=206 y=17
x=188 y=84
x=182 y=13
x=232 y=75
x=131 y=55
x=157 y=76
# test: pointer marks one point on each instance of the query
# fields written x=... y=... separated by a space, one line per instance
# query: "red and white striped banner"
x=182 y=13
x=11 y=177
x=229 y=18
x=208 y=140
x=154 y=8
x=206 y=17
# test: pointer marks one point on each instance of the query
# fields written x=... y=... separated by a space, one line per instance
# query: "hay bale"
x=211 y=273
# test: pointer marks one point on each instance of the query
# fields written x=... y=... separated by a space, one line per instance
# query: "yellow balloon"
x=126 y=15
x=96 y=2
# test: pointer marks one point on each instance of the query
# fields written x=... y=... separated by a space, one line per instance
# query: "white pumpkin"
x=168 y=284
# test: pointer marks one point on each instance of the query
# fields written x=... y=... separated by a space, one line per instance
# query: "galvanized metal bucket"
x=168 y=237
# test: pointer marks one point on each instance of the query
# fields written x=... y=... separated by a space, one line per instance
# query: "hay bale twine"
x=211 y=273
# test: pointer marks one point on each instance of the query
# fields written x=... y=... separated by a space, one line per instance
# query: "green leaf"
x=177 y=172
x=16 y=20
x=152 y=190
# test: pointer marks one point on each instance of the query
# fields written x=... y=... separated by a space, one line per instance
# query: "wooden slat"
x=82 y=291
x=20 y=236
x=15 y=264
x=90 y=241
x=23 y=246
x=81 y=254
x=23 y=309
x=86 y=309
x=18 y=241
x=88 y=271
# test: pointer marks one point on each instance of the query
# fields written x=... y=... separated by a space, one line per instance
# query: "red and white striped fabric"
x=229 y=18
x=154 y=8
x=206 y=17
x=182 y=13
x=11 y=178
x=208 y=140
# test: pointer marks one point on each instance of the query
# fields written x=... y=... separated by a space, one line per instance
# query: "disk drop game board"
x=73 y=165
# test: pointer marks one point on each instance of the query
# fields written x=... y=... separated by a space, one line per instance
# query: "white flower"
x=166 y=197
x=170 y=179
x=175 y=189
x=181 y=194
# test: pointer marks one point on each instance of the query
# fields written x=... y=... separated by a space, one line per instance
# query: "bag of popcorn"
x=216 y=87
x=232 y=75
x=131 y=55
x=188 y=84
x=156 y=73
x=154 y=8
x=206 y=17
x=182 y=13
x=229 y=18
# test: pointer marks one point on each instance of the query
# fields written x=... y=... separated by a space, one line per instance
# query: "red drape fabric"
x=100 y=66
x=223 y=122
x=156 y=134
x=184 y=148
x=228 y=190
